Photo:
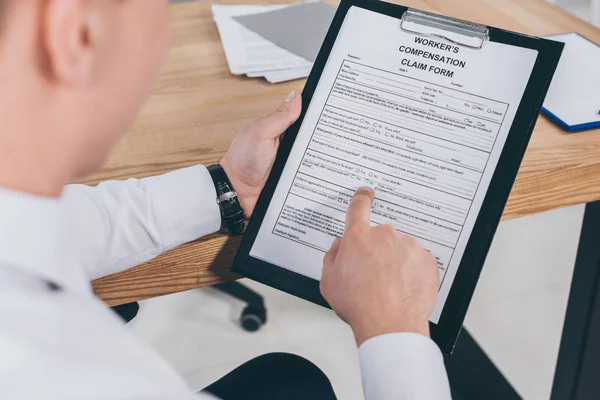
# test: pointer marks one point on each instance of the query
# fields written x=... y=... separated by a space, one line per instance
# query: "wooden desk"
x=198 y=107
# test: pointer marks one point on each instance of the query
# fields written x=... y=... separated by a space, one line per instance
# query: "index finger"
x=359 y=210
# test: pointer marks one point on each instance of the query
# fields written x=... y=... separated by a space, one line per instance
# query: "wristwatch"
x=232 y=214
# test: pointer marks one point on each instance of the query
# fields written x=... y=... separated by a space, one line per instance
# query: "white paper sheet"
x=246 y=51
x=274 y=72
x=287 y=75
x=425 y=134
x=574 y=95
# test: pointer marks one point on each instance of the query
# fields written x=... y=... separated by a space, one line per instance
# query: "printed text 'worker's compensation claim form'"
x=420 y=120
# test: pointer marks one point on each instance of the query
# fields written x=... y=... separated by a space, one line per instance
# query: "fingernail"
x=367 y=189
x=290 y=96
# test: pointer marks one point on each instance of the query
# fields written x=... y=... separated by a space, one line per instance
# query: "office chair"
x=253 y=316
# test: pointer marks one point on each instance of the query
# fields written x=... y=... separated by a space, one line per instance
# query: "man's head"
x=74 y=74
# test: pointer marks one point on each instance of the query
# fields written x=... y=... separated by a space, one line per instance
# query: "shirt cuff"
x=185 y=204
x=403 y=366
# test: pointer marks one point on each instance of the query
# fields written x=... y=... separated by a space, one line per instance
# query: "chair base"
x=254 y=315
x=127 y=311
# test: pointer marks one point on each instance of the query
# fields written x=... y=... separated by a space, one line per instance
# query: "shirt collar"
x=33 y=240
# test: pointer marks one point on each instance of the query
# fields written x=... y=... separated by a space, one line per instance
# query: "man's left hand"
x=250 y=157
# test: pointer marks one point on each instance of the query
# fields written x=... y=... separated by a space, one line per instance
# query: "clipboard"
x=474 y=36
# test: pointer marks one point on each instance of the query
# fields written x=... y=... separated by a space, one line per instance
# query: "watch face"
x=228 y=197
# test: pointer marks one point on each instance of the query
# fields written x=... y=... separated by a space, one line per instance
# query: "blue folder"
x=573 y=100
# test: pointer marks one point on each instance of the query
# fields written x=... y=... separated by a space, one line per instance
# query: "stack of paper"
x=249 y=53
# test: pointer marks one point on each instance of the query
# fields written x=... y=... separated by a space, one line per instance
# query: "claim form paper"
x=420 y=120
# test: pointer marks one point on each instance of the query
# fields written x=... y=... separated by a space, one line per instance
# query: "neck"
x=31 y=185
x=21 y=173
x=30 y=156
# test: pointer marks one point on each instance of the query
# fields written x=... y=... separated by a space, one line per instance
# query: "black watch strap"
x=232 y=214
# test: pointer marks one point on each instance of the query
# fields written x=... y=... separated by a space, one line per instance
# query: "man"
x=73 y=75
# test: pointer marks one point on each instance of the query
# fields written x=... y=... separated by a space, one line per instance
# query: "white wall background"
x=588 y=10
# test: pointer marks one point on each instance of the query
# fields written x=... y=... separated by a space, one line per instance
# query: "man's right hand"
x=376 y=279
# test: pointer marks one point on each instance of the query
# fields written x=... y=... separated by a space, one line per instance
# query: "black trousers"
x=275 y=376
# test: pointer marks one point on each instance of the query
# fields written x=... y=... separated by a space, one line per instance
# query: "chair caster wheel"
x=252 y=319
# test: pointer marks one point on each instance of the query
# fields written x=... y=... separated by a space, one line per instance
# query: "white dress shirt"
x=66 y=344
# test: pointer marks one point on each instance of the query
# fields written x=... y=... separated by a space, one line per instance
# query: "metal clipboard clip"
x=456 y=31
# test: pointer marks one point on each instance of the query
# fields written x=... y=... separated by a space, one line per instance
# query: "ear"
x=69 y=34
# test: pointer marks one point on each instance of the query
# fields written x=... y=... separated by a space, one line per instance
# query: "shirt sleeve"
x=403 y=366
x=121 y=224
